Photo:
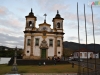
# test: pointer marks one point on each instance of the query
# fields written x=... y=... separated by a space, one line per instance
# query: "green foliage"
x=9 y=53
x=67 y=52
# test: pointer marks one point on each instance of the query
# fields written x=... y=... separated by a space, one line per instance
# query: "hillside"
x=75 y=46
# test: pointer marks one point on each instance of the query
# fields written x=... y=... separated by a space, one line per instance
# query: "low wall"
x=4 y=60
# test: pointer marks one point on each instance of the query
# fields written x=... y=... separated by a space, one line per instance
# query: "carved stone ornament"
x=44 y=45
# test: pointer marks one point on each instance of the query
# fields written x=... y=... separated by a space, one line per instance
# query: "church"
x=43 y=42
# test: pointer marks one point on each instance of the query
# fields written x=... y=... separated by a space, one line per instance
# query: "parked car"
x=80 y=60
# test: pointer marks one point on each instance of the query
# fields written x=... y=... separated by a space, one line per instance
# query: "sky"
x=13 y=12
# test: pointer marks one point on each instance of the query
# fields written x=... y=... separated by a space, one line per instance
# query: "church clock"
x=44 y=28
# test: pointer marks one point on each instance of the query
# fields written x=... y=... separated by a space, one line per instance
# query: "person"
x=48 y=58
x=44 y=63
x=72 y=65
x=55 y=62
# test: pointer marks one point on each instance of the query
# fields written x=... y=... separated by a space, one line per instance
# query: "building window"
x=28 y=42
x=37 y=42
x=85 y=54
x=58 y=42
x=80 y=54
x=50 y=42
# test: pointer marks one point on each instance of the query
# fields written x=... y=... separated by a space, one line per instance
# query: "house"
x=83 y=54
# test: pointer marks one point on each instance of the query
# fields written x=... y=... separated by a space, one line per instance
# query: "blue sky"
x=13 y=12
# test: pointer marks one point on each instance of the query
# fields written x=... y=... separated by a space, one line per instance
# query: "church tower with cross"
x=43 y=42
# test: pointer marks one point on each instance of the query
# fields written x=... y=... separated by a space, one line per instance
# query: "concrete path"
x=49 y=74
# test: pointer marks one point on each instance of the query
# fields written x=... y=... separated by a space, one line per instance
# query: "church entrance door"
x=43 y=53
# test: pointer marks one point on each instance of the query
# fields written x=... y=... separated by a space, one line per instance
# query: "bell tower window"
x=58 y=25
x=30 y=24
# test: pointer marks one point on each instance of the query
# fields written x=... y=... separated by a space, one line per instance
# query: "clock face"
x=44 y=28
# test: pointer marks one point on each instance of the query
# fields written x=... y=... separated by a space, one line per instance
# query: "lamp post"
x=83 y=69
x=14 y=69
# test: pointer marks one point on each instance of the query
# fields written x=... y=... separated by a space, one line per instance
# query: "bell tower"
x=30 y=21
x=58 y=22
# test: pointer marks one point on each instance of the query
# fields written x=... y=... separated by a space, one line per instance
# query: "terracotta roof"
x=84 y=50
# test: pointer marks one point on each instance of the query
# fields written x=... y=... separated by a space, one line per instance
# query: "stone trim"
x=42 y=32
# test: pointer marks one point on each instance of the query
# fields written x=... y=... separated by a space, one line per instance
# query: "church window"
x=28 y=42
x=58 y=25
x=58 y=42
x=37 y=42
x=50 y=42
x=30 y=23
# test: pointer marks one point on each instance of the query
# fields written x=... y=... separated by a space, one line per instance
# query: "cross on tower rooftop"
x=45 y=17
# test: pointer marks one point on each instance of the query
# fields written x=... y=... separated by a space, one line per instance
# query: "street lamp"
x=14 y=69
x=83 y=69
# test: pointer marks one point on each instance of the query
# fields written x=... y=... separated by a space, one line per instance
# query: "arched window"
x=30 y=23
x=58 y=25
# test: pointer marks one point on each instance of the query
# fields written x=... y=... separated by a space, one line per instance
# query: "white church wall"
x=59 y=30
x=59 y=48
x=28 y=48
x=51 y=48
x=36 y=49
x=30 y=19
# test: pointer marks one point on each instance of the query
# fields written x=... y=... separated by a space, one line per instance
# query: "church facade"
x=43 y=42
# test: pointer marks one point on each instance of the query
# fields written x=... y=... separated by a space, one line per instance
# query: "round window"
x=27 y=51
x=58 y=52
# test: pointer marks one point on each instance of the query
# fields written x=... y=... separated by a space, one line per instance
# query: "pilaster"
x=55 y=54
x=24 y=45
x=32 y=45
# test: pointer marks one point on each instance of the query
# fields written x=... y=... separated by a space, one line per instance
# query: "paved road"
x=90 y=66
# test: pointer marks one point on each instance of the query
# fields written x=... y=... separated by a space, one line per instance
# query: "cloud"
x=72 y=38
x=3 y=10
x=59 y=7
x=21 y=10
x=11 y=28
x=52 y=5
x=11 y=41
x=11 y=32
x=11 y=22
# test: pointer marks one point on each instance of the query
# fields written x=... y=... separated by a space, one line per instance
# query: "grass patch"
x=66 y=68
